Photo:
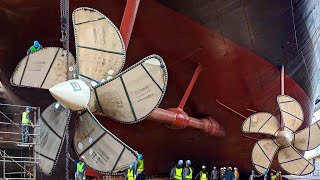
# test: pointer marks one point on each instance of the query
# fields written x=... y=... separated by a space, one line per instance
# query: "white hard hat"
x=203 y=167
x=82 y=157
x=235 y=168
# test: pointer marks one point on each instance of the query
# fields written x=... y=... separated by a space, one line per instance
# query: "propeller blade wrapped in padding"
x=53 y=123
x=291 y=112
x=44 y=69
x=263 y=153
x=293 y=162
x=264 y=123
x=308 y=138
x=103 y=151
x=99 y=45
x=133 y=94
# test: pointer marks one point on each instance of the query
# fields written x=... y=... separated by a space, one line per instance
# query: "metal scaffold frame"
x=26 y=164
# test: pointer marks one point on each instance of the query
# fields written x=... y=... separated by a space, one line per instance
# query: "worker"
x=222 y=174
x=280 y=175
x=229 y=174
x=236 y=173
x=203 y=174
x=265 y=175
x=35 y=47
x=25 y=123
x=253 y=176
x=130 y=175
x=214 y=174
x=187 y=172
x=272 y=176
x=176 y=171
x=140 y=168
x=80 y=173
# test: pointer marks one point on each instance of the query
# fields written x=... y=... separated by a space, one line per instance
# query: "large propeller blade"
x=43 y=69
x=293 y=162
x=263 y=153
x=264 y=123
x=99 y=45
x=102 y=150
x=134 y=93
x=52 y=125
x=308 y=138
x=291 y=112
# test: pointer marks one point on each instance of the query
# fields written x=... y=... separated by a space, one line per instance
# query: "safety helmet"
x=28 y=108
x=140 y=156
x=214 y=168
x=180 y=162
x=132 y=163
x=203 y=167
x=82 y=157
x=252 y=171
x=230 y=168
x=36 y=43
x=271 y=174
x=224 y=168
x=188 y=162
x=235 y=168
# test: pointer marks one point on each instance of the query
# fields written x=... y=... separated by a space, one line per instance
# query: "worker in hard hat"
x=131 y=174
x=265 y=175
x=214 y=174
x=176 y=171
x=272 y=176
x=25 y=123
x=280 y=175
x=222 y=173
x=187 y=172
x=229 y=174
x=35 y=47
x=203 y=174
x=253 y=176
x=236 y=173
x=81 y=166
x=140 y=168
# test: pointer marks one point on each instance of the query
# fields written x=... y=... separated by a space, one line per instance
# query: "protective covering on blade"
x=43 y=69
x=99 y=45
x=102 y=150
x=53 y=123
x=264 y=123
x=135 y=93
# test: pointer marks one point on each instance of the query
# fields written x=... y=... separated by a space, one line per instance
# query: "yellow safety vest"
x=130 y=174
x=189 y=176
x=178 y=173
x=25 y=120
x=141 y=166
x=80 y=167
x=203 y=176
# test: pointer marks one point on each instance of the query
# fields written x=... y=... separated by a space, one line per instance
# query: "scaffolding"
x=18 y=159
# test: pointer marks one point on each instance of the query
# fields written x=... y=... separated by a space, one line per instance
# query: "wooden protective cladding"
x=103 y=151
x=293 y=162
x=53 y=123
x=262 y=122
x=291 y=112
x=133 y=94
x=263 y=153
x=99 y=45
x=43 y=69
x=308 y=138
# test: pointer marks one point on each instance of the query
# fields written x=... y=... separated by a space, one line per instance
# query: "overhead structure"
x=284 y=141
x=96 y=84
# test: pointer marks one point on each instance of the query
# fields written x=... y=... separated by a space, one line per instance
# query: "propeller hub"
x=284 y=138
x=73 y=94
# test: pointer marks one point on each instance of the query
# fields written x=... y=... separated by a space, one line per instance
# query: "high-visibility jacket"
x=203 y=176
x=189 y=176
x=33 y=49
x=141 y=166
x=178 y=173
x=25 y=119
x=130 y=175
x=80 y=167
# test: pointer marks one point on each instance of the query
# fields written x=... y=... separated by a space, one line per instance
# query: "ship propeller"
x=285 y=141
x=93 y=83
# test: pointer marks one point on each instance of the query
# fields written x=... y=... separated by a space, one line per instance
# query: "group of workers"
x=179 y=172
x=136 y=170
x=273 y=176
